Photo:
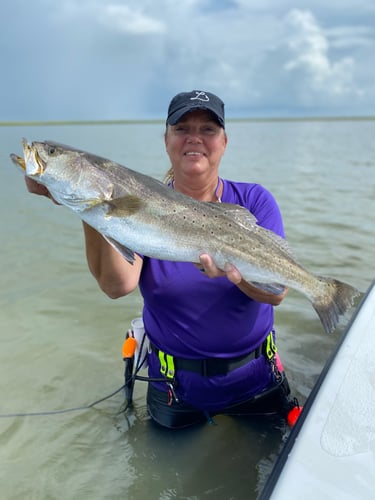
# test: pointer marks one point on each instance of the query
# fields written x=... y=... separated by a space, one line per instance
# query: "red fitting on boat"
x=293 y=415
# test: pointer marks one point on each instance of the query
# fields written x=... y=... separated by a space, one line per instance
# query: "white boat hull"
x=330 y=454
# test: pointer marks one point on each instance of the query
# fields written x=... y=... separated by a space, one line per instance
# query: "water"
x=61 y=336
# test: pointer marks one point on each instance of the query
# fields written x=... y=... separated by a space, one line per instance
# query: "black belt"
x=209 y=367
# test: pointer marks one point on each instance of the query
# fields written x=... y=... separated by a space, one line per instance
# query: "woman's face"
x=196 y=144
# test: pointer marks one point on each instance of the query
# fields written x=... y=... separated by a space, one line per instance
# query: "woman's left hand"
x=208 y=266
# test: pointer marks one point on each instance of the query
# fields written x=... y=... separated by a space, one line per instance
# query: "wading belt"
x=210 y=367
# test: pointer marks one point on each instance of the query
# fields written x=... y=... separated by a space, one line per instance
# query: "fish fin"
x=124 y=251
x=281 y=242
x=333 y=302
x=90 y=203
x=274 y=288
x=240 y=214
x=124 y=206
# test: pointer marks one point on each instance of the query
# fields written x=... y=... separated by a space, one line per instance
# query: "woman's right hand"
x=36 y=188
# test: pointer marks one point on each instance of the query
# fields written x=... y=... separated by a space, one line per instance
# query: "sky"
x=126 y=59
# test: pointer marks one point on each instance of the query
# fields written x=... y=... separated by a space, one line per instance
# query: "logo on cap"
x=201 y=96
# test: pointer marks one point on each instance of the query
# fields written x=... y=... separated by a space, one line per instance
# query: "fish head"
x=69 y=174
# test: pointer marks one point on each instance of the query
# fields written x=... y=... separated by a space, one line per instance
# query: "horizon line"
x=31 y=123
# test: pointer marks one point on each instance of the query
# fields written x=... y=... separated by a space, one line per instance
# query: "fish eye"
x=51 y=150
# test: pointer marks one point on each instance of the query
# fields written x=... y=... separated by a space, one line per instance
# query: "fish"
x=136 y=213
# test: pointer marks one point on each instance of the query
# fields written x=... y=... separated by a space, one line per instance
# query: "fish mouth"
x=32 y=164
x=18 y=161
x=39 y=163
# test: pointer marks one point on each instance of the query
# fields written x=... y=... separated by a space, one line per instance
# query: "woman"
x=211 y=332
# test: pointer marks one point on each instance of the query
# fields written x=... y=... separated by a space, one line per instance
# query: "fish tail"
x=333 y=302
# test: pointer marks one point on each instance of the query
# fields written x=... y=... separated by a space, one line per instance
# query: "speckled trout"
x=137 y=213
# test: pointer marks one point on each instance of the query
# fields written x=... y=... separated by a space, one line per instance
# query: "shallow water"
x=61 y=337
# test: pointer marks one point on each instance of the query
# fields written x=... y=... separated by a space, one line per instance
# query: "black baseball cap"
x=196 y=99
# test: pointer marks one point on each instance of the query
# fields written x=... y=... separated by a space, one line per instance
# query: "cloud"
x=349 y=37
x=130 y=20
x=309 y=49
x=107 y=59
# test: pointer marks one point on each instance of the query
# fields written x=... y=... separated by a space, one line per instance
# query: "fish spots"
x=203 y=224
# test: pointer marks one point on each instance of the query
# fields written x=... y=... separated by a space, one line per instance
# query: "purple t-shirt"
x=189 y=315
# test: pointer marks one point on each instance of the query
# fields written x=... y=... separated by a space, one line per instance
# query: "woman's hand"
x=36 y=188
x=209 y=267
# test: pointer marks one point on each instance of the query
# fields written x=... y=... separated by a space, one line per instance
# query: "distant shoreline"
x=31 y=123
